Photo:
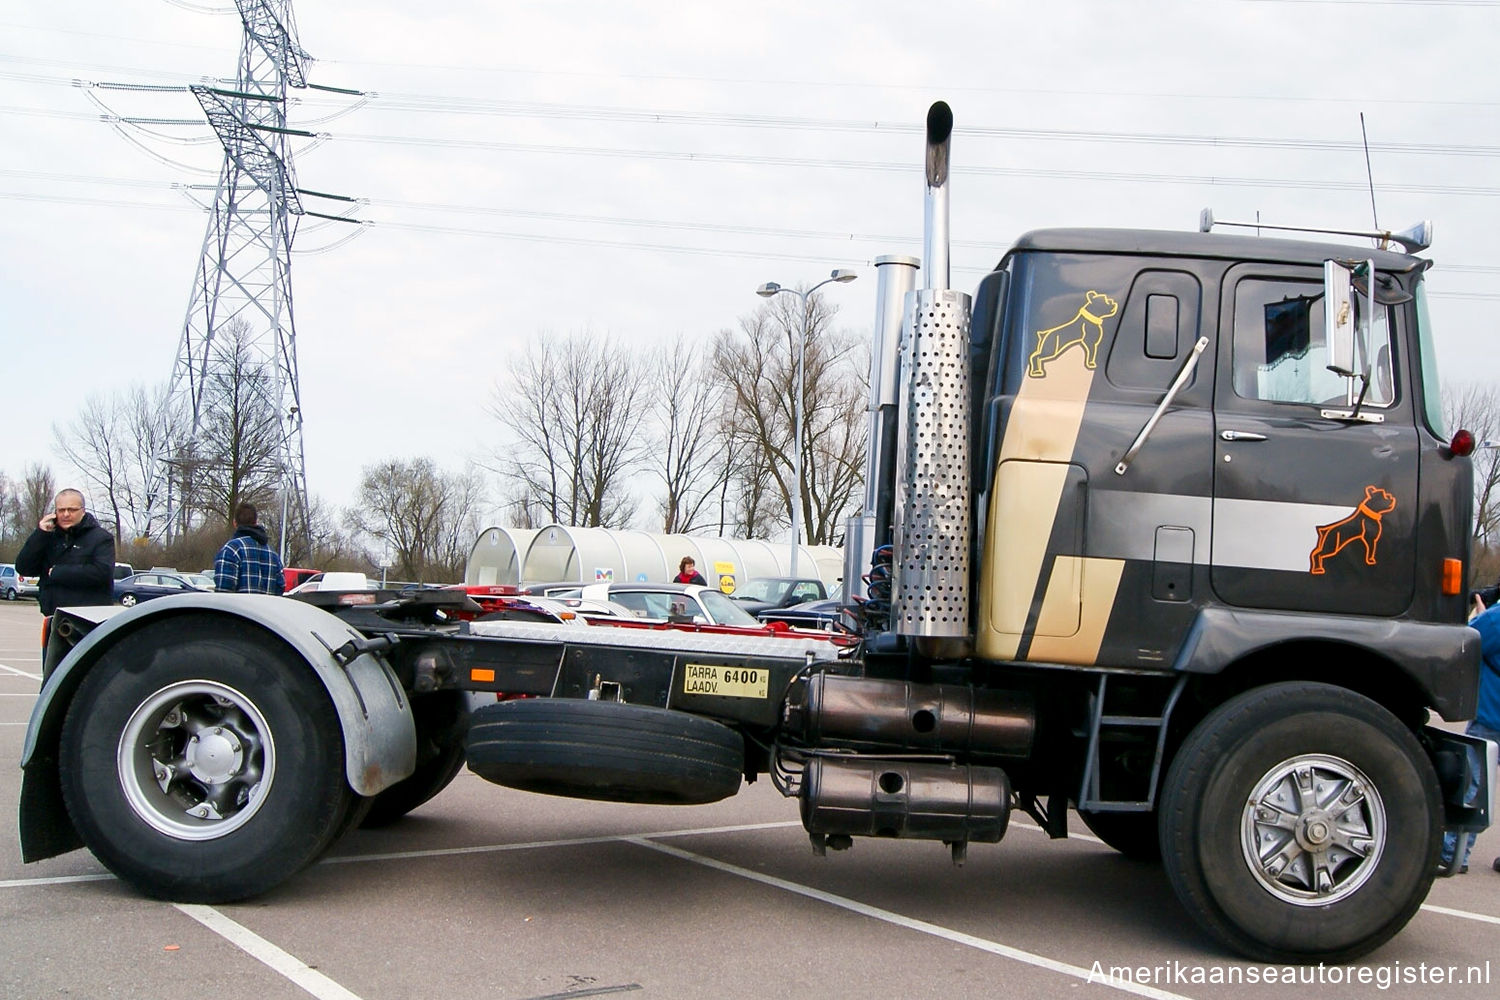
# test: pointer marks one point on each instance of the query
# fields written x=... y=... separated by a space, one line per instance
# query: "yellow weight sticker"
x=726 y=682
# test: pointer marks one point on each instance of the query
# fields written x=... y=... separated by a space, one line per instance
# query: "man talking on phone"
x=72 y=554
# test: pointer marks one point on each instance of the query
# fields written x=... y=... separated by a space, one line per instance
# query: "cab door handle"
x=1241 y=436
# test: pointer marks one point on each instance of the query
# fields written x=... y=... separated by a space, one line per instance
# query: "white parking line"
x=263 y=951
x=1448 y=912
x=18 y=671
x=27 y=883
x=441 y=852
x=911 y=923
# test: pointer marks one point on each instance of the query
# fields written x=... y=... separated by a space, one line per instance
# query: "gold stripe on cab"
x=1040 y=435
x=1101 y=581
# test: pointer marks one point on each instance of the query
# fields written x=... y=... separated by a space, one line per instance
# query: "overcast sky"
x=636 y=169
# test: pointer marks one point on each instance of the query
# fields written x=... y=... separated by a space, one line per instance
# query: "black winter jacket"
x=77 y=566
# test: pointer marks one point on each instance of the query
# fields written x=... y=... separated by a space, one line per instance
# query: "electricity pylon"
x=243 y=284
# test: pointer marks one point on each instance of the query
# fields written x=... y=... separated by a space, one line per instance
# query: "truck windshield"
x=1432 y=395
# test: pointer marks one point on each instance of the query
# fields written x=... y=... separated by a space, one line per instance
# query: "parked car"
x=31 y=586
x=334 y=581
x=500 y=601
x=122 y=570
x=203 y=581
x=294 y=576
x=827 y=615
x=662 y=602
x=560 y=588
x=144 y=586
x=766 y=592
x=10 y=582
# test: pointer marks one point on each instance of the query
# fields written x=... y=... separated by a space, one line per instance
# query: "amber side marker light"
x=1462 y=444
x=1453 y=577
x=482 y=676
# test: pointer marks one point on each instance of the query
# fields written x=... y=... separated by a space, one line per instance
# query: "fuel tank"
x=900 y=715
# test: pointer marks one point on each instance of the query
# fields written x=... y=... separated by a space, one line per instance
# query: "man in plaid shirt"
x=247 y=564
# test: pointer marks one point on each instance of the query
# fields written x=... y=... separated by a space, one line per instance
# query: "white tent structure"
x=497 y=555
x=559 y=552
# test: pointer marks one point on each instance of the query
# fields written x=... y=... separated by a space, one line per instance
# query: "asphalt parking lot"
x=491 y=894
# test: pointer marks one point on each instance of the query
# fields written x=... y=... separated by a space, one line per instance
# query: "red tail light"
x=1462 y=444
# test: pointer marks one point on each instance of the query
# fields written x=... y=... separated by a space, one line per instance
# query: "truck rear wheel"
x=606 y=750
x=442 y=720
x=1279 y=823
x=201 y=763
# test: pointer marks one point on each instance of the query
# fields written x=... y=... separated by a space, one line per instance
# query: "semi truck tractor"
x=1163 y=536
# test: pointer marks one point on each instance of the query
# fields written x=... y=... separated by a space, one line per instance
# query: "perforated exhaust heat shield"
x=931 y=526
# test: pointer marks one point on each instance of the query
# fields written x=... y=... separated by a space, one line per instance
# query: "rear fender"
x=379 y=733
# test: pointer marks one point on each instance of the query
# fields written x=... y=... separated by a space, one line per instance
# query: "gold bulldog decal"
x=1362 y=526
x=1086 y=329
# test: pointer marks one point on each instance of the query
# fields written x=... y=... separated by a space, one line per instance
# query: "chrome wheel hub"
x=195 y=760
x=1313 y=830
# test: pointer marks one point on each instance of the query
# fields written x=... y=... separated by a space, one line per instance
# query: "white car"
x=660 y=602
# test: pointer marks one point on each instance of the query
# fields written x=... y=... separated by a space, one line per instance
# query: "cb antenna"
x=1369 y=174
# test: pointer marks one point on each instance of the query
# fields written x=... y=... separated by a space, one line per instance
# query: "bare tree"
x=237 y=453
x=114 y=442
x=759 y=369
x=688 y=456
x=575 y=408
x=329 y=546
x=10 y=519
x=38 y=491
x=427 y=519
x=94 y=443
x=147 y=438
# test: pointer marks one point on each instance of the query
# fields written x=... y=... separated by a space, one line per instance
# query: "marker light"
x=1462 y=444
x=1453 y=577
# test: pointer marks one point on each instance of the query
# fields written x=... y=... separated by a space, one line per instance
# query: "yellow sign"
x=725 y=570
x=726 y=682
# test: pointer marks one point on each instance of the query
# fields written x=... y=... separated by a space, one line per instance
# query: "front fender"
x=1441 y=660
x=379 y=732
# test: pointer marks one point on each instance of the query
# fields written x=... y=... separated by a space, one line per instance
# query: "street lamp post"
x=765 y=291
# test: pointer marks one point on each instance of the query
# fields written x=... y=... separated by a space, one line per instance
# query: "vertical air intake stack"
x=895 y=276
x=930 y=596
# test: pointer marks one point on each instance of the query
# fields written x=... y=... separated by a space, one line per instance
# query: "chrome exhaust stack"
x=935 y=205
x=931 y=523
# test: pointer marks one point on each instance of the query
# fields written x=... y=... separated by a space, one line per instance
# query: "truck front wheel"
x=1279 y=821
x=202 y=763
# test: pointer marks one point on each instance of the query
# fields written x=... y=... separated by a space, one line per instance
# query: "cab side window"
x=1280 y=354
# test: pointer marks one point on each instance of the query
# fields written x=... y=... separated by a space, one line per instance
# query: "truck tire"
x=1133 y=834
x=606 y=750
x=442 y=720
x=1301 y=822
x=202 y=763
